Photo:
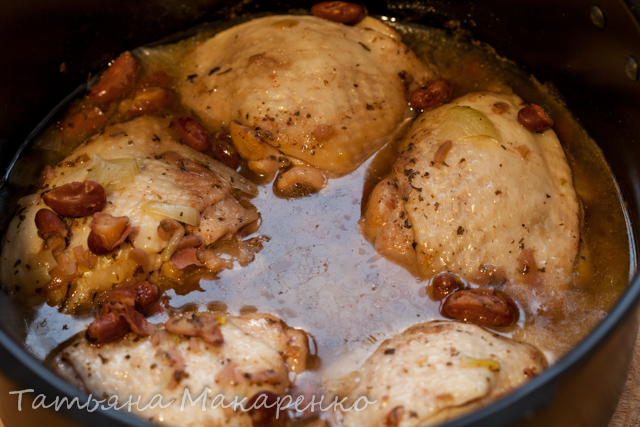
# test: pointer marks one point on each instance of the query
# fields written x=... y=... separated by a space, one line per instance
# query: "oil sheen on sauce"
x=318 y=273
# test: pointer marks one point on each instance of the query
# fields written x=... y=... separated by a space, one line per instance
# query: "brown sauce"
x=318 y=273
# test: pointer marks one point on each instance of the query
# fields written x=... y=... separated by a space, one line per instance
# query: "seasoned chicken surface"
x=323 y=92
x=477 y=194
x=147 y=177
x=238 y=357
x=434 y=372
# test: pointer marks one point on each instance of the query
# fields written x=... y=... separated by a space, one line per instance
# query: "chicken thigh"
x=476 y=194
x=434 y=372
x=166 y=204
x=319 y=91
x=221 y=358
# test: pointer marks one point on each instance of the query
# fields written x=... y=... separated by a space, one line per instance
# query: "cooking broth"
x=318 y=272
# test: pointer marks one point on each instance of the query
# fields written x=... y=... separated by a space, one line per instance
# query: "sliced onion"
x=465 y=123
x=186 y=214
x=172 y=245
x=234 y=179
x=114 y=174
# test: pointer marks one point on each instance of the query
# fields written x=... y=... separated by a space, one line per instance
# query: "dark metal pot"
x=588 y=52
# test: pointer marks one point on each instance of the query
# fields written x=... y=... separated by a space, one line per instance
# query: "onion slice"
x=114 y=174
x=172 y=245
x=186 y=214
x=463 y=123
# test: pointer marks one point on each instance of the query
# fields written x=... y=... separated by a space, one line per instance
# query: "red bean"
x=432 y=95
x=147 y=294
x=126 y=296
x=49 y=223
x=83 y=123
x=116 y=81
x=443 y=285
x=225 y=153
x=534 y=118
x=107 y=328
x=482 y=306
x=168 y=227
x=338 y=11
x=76 y=199
x=192 y=133
x=149 y=100
x=107 y=232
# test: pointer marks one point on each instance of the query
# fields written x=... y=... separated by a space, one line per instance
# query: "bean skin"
x=299 y=181
x=147 y=294
x=116 y=81
x=107 y=328
x=225 y=153
x=107 y=232
x=338 y=11
x=534 y=118
x=49 y=223
x=432 y=95
x=443 y=285
x=76 y=199
x=192 y=133
x=168 y=227
x=83 y=123
x=149 y=100
x=482 y=306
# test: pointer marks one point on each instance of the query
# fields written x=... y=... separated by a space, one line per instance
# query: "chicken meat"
x=477 y=194
x=434 y=372
x=219 y=359
x=166 y=208
x=321 y=92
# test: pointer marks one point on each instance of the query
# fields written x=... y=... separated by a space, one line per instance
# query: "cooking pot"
x=588 y=51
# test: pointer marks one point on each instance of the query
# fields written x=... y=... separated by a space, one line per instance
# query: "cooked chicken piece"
x=434 y=372
x=148 y=177
x=477 y=194
x=233 y=359
x=326 y=93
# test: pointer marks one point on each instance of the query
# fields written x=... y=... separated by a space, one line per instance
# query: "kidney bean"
x=107 y=328
x=226 y=153
x=431 y=95
x=482 y=306
x=299 y=181
x=338 y=11
x=146 y=101
x=116 y=80
x=147 y=294
x=168 y=227
x=126 y=296
x=83 y=123
x=443 y=285
x=192 y=133
x=49 y=224
x=107 y=232
x=263 y=410
x=76 y=199
x=534 y=118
